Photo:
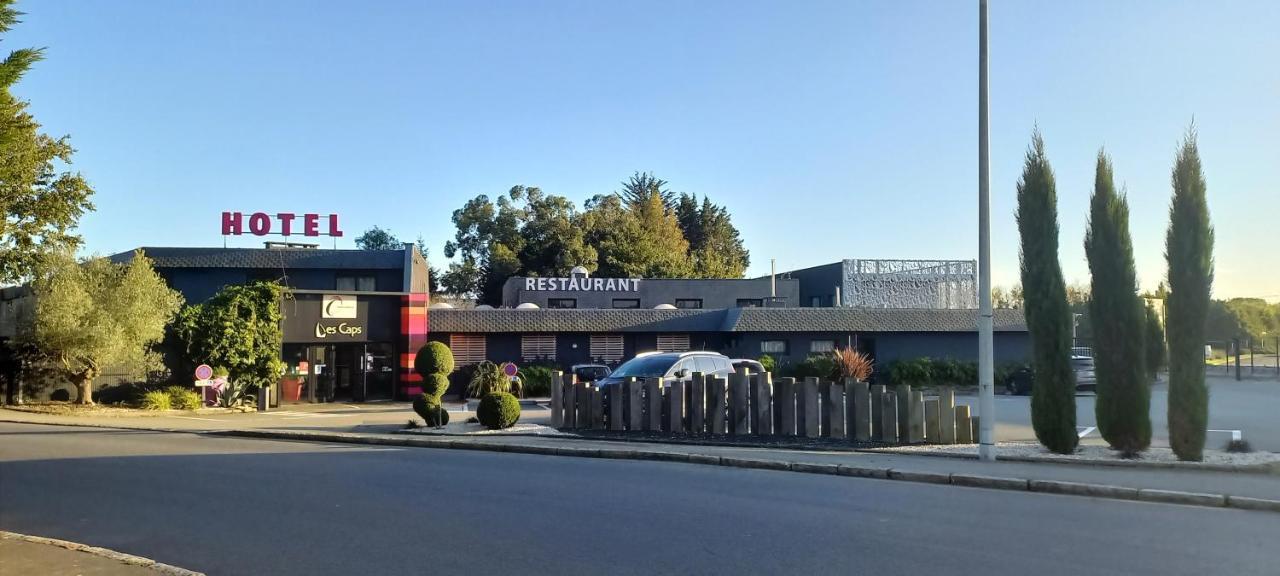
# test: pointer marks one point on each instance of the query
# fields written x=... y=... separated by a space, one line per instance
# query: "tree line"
x=642 y=230
x=1123 y=341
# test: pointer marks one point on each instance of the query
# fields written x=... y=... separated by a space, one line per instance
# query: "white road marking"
x=1236 y=435
x=1087 y=431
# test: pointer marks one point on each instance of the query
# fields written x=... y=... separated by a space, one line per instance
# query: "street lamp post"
x=986 y=374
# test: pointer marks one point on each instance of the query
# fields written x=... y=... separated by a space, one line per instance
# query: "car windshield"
x=645 y=367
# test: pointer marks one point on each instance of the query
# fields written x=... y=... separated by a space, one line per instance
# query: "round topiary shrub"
x=434 y=358
x=435 y=385
x=498 y=410
x=429 y=408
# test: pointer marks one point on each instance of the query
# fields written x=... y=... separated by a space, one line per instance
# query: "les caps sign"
x=262 y=224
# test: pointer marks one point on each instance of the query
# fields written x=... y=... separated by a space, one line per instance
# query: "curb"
x=1107 y=491
x=103 y=553
x=1262 y=468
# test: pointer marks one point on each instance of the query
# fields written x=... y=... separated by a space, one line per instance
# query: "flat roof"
x=295 y=258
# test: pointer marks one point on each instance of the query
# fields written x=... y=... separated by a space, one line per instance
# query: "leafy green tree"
x=377 y=238
x=1123 y=406
x=98 y=314
x=1189 y=251
x=1053 y=403
x=239 y=330
x=643 y=241
x=715 y=248
x=1153 y=344
x=39 y=206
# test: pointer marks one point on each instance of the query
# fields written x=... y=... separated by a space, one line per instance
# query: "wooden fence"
x=754 y=404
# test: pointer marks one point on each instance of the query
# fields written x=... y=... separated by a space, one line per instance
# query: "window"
x=467 y=348
x=705 y=365
x=750 y=302
x=689 y=303
x=562 y=302
x=606 y=348
x=357 y=283
x=626 y=302
x=822 y=346
x=538 y=347
x=773 y=346
x=673 y=342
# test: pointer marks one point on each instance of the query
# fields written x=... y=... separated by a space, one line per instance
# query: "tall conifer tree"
x=1053 y=403
x=1189 y=251
x=1123 y=405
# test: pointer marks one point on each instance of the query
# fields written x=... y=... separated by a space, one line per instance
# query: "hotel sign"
x=583 y=284
x=281 y=224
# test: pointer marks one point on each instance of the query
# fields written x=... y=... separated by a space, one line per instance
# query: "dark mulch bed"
x=787 y=442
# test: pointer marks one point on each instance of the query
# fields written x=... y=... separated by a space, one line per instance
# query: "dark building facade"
x=581 y=291
x=353 y=319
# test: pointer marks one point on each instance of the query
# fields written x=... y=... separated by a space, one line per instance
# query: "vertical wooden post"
x=653 y=404
x=964 y=434
x=809 y=403
x=858 y=396
x=557 y=399
x=824 y=413
x=675 y=407
x=635 y=409
x=877 y=410
x=698 y=403
x=570 y=400
x=915 y=414
x=932 y=421
x=716 y=405
x=583 y=393
x=889 y=417
x=784 y=395
x=763 y=403
x=597 y=408
x=904 y=412
x=947 y=415
x=617 y=401
x=738 y=409
x=835 y=409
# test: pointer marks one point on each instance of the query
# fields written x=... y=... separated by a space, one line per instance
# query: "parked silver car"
x=668 y=365
x=1022 y=379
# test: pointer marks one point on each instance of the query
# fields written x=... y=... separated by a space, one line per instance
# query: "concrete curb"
x=1263 y=468
x=102 y=552
x=964 y=480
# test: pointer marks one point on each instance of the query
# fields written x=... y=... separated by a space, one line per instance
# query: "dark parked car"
x=667 y=365
x=590 y=372
x=1022 y=379
x=753 y=366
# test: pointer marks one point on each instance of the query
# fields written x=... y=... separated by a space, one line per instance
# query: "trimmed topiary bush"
x=434 y=358
x=181 y=398
x=498 y=410
x=155 y=400
x=435 y=385
x=429 y=408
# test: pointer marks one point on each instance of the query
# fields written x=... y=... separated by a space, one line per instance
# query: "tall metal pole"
x=986 y=375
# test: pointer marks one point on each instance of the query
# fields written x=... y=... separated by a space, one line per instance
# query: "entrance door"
x=320 y=380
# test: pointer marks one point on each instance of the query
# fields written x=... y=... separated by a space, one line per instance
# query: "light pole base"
x=987 y=452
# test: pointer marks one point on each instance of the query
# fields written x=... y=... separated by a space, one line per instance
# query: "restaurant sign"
x=583 y=284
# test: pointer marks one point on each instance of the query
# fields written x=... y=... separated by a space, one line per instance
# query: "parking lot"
x=1246 y=408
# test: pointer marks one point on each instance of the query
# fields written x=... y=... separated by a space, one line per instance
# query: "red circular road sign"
x=510 y=369
x=204 y=372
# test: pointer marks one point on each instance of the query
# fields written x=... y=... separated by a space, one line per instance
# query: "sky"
x=831 y=130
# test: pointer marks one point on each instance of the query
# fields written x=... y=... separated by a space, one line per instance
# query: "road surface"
x=235 y=506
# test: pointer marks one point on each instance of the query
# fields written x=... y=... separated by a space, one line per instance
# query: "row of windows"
x=630 y=303
x=471 y=348
x=784 y=346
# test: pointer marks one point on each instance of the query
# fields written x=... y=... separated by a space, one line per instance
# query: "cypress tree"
x=1053 y=403
x=1123 y=405
x=1153 y=344
x=1189 y=251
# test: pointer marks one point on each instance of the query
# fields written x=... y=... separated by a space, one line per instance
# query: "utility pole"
x=986 y=374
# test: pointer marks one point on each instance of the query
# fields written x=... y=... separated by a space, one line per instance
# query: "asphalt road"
x=231 y=506
x=1247 y=406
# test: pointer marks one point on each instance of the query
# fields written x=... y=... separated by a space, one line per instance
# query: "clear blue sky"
x=830 y=129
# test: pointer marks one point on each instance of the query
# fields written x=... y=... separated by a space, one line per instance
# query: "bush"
x=429 y=408
x=768 y=362
x=911 y=372
x=488 y=379
x=537 y=380
x=498 y=410
x=851 y=363
x=820 y=366
x=434 y=358
x=181 y=398
x=155 y=400
x=435 y=385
